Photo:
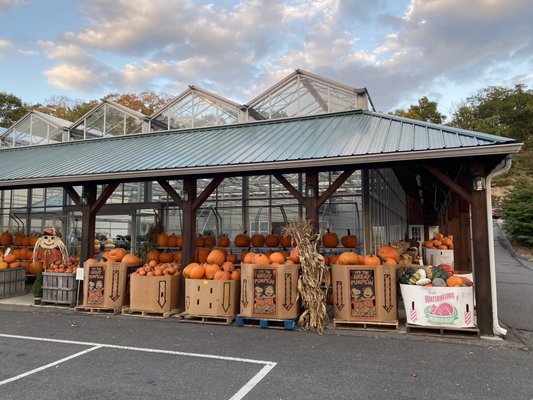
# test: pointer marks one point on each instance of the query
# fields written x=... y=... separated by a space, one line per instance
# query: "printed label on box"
x=95 y=292
x=362 y=293
x=264 y=291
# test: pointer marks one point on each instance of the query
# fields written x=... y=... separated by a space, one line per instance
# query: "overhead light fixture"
x=310 y=191
x=421 y=193
x=478 y=183
x=419 y=180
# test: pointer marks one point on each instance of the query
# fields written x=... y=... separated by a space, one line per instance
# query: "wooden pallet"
x=286 y=324
x=98 y=310
x=442 y=330
x=148 y=314
x=206 y=319
x=366 y=325
x=54 y=304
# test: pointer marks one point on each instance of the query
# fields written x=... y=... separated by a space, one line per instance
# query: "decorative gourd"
x=242 y=240
x=216 y=257
x=285 y=241
x=372 y=260
x=277 y=258
x=258 y=240
x=330 y=240
x=349 y=258
x=162 y=239
x=385 y=252
x=172 y=241
x=349 y=241
x=272 y=240
x=224 y=241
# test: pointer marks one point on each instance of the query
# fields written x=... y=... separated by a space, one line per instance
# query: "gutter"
x=500 y=169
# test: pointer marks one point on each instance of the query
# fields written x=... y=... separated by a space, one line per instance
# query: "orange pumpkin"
x=385 y=252
x=330 y=240
x=326 y=260
x=261 y=259
x=277 y=258
x=36 y=267
x=228 y=266
x=216 y=257
x=172 y=241
x=187 y=270
x=334 y=259
x=295 y=255
x=162 y=239
x=178 y=256
x=6 y=239
x=231 y=257
x=200 y=241
x=210 y=241
x=389 y=261
x=166 y=257
x=33 y=240
x=131 y=258
x=224 y=241
x=372 y=260
x=211 y=270
x=272 y=240
x=10 y=258
x=285 y=241
x=179 y=241
x=222 y=276
x=201 y=255
x=258 y=240
x=117 y=254
x=197 y=272
x=349 y=241
x=152 y=255
x=236 y=275
x=242 y=240
x=349 y=258
x=248 y=258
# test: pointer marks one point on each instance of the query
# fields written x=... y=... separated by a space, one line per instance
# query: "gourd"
x=438 y=282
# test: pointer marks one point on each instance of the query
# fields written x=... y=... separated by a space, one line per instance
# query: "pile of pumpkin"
x=21 y=257
x=386 y=255
x=439 y=242
x=330 y=240
x=19 y=239
x=69 y=267
x=153 y=268
x=215 y=267
x=119 y=254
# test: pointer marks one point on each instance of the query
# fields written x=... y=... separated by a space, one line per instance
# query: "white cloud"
x=5 y=5
x=75 y=78
x=4 y=45
x=28 y=53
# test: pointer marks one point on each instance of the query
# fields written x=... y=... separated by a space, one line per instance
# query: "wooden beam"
x=74 y=196
x=207 y=192
x=311 y=202
x=171 y=192
x=88 y=223
x=106 y=193
x=334 y=186
x=480 y=251
x=437 y=173
x=287 y=185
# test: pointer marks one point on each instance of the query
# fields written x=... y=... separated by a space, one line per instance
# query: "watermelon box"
x=439 y=306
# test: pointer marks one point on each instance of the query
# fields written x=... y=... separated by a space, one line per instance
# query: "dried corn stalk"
x=314 y=317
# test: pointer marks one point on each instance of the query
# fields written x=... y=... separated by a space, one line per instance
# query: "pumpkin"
x=454 y=281
x=277 y=258
x=172 y=241
x=349 y=241
x=242 y=240
x=26 y=240
x=178 y=256
x=197 y=271
x=389 y=261
x=17 y=253
x=295 y=255
x=371 y=260
x=10 y=258
x=231 y=257
x=15 y=264
x=166 y=257
x=200 y=241
x=117 y=254
x=201 y=255
x=258 y=240
x=216 y=257
x=326 y=260
x=3 y=265
x=289 y=262
x=248 y=258
x=152 y=255
x=91 y=261
x=330 y=240
x=261 y=259
x=6 y=239
x=285 y=241
x=211 y=270
x=236 y=275
x=222 y=276
x=210 y=241
x=349 y=258
x=385 y=252
x=162 y=239
x=179 y=241
x=228 y=266
x=36 y=267
x=187 y=270
x=272 y=240
x=224 y=241
x=131 y=258
x=17 y=240
x=33 y=240
x=334 y=259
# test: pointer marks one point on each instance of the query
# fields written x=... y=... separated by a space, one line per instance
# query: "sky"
x=400 y=50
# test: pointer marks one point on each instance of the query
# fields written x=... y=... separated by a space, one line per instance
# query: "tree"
x=146 y=102
x=66 y=108
x=499 y=111
x=11 y=109
x=425 y=110
x=517 y=211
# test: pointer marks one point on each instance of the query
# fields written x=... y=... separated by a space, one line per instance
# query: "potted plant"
x=37 y=289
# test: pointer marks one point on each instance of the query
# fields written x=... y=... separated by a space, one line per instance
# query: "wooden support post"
x=481 y=261
x=367 y=224
x=171 y=192
x=88 y=222
x=311 y=199
x=189 y=220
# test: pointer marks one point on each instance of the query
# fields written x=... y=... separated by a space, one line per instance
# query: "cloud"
x=76 y=78
x=5 y=5
x=4 y=45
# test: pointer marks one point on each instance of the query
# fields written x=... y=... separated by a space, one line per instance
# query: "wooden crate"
x=59 y=288
x=12 y=282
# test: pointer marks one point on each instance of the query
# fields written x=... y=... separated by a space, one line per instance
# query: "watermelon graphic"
x=443 y=314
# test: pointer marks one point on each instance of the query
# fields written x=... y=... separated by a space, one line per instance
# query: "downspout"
x=500 y=169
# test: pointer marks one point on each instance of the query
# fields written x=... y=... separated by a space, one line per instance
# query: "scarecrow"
x=50 y=249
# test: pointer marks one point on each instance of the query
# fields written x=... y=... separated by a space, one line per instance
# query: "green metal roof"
x=328 y=140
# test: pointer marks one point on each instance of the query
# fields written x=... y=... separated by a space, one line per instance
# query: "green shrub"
x=37 y=288
x=517 y=211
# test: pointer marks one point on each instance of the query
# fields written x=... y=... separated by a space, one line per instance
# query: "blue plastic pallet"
x=286 y=324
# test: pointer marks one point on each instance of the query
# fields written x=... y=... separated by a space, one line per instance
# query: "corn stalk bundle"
x=312 y=269
x=150 y=239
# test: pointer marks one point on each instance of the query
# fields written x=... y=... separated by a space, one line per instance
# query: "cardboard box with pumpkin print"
x=212 y=298
x=270 y=291
x=364 y=293
x=439 y=306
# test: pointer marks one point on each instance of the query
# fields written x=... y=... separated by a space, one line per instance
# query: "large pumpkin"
x=211 y=270
x=224 y=241
x=277 y=258
x=349 y=241
x=6 y=239
x=172 y=241
x=201 y=255
x=166 y=257
x=117 y=254
x=385 y=252
x=152 y=255
x=200 y=241
x=210 y=241
x=272 y=240
x=162 y=239
x=131 y=258
x=330 y=240
x=197 y=272
x=261 y=259
x=216 y=256
x=285 y=241
x=248 y=258
x=372 y=260
x=349 y=258
x=231 y=257
x=242 y=240
x=187 y=270
x=258 y=240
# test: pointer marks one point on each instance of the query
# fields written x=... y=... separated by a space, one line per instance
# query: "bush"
x=517 y=211
x=37 y=288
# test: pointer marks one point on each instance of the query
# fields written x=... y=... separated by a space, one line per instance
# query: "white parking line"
x=267 y=365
